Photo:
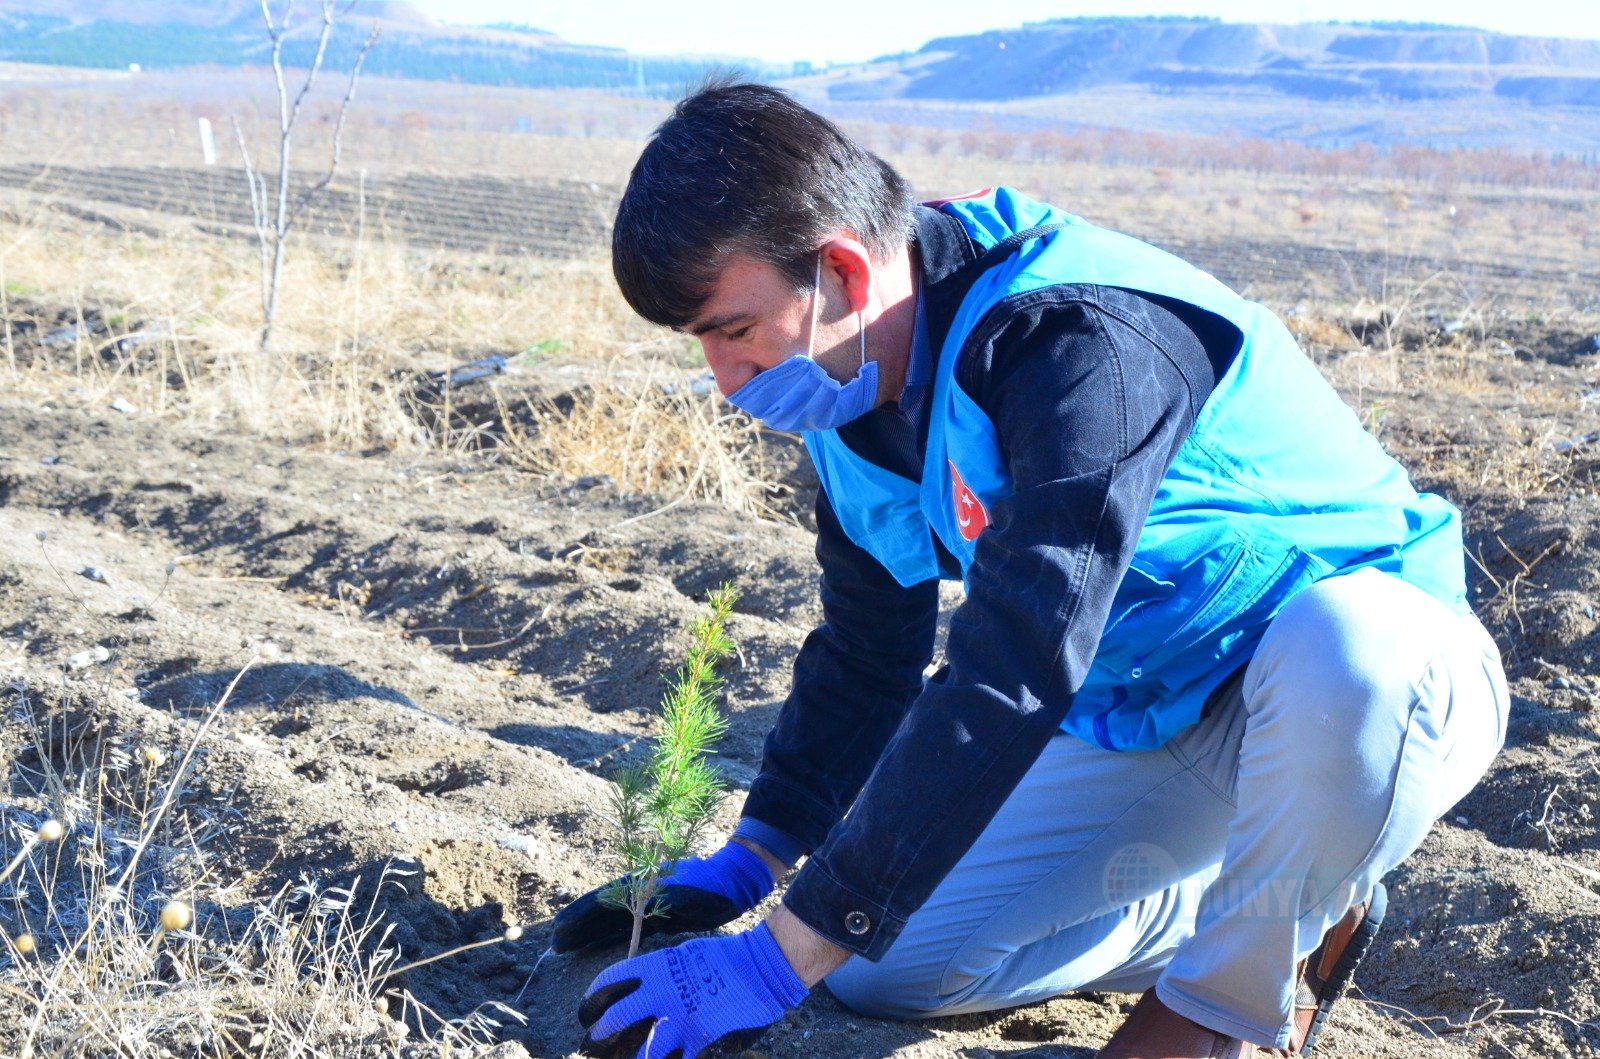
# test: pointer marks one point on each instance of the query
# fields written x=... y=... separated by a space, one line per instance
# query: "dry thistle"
x=49 y=831
x=176 y=915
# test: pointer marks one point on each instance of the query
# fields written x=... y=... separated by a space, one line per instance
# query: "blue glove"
x=694 y=895
x=717 y=994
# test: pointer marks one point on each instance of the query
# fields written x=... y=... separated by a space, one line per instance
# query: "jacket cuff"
x=841 y=915
x=774 y=840
x=790 y=809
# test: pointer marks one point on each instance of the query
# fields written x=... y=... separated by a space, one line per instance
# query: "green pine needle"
x=663 y=807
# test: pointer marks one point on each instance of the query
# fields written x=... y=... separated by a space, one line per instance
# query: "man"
x=1213 y=676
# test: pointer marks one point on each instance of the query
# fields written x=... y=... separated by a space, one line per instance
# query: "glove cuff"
x=773 y=967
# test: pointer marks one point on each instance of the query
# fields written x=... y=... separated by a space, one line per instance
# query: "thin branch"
x=258 y=209
x=338 y=127
x=275 y=218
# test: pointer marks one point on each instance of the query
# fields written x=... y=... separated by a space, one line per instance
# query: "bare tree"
x=275 y=216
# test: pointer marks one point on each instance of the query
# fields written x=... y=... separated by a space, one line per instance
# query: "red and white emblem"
x=971 y=517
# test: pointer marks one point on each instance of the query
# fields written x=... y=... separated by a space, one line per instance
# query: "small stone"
x=84 y=659
x=397 y=824
x=525 y=844
x=1463 y=821
x=94 y=573
x=50 y=461
x=60 y=336
x=121 y=405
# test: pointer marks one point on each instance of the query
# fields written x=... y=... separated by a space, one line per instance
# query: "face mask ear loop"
x=816 y=293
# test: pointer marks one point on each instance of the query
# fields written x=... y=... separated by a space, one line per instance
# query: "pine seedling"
x=662 y=808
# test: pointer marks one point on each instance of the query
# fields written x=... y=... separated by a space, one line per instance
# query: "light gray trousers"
x=1211 y=866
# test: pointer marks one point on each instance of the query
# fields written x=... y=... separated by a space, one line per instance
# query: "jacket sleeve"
x=853 y=679
x=1091 y=406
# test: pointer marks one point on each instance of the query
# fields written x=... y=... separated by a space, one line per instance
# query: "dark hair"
x=743 y=168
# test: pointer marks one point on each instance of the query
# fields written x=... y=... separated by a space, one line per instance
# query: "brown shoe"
x=1154 y=1031
x=1326 y=973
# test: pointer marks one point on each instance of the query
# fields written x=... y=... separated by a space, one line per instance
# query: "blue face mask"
x=799 y=394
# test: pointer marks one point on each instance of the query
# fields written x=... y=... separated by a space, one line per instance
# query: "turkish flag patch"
x=971 y=517
x=980 y=193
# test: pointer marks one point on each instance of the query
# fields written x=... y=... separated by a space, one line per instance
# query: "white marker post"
x=208 y=142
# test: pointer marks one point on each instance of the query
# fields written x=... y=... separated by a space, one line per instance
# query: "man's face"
x=754 y=320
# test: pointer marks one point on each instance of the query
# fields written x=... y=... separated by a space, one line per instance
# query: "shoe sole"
x=1345 y=969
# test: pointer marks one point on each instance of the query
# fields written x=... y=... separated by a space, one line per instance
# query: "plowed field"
x=452 y=658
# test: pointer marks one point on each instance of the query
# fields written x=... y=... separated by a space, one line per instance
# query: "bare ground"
x=453 y=657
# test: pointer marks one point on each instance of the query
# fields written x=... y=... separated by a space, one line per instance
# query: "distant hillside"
x=1325 y=61
x=167 y=34
x=145 y=12
x=1325 y=85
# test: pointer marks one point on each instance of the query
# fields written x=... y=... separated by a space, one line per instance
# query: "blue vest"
x=1276 y=486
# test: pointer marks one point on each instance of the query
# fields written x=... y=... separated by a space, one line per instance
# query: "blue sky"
x=852 y=30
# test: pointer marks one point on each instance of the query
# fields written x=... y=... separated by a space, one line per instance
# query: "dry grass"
x=362 y=320
x=125 y=937
x=168 y=324
x=653 y=435
x=356 y=320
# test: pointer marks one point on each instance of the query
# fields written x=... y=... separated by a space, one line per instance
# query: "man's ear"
x=850 y=263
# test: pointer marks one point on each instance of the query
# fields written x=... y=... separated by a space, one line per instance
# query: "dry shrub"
x=654 y=436
x=1315 y=331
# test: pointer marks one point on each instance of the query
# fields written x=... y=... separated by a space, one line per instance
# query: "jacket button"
x=857 y=923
